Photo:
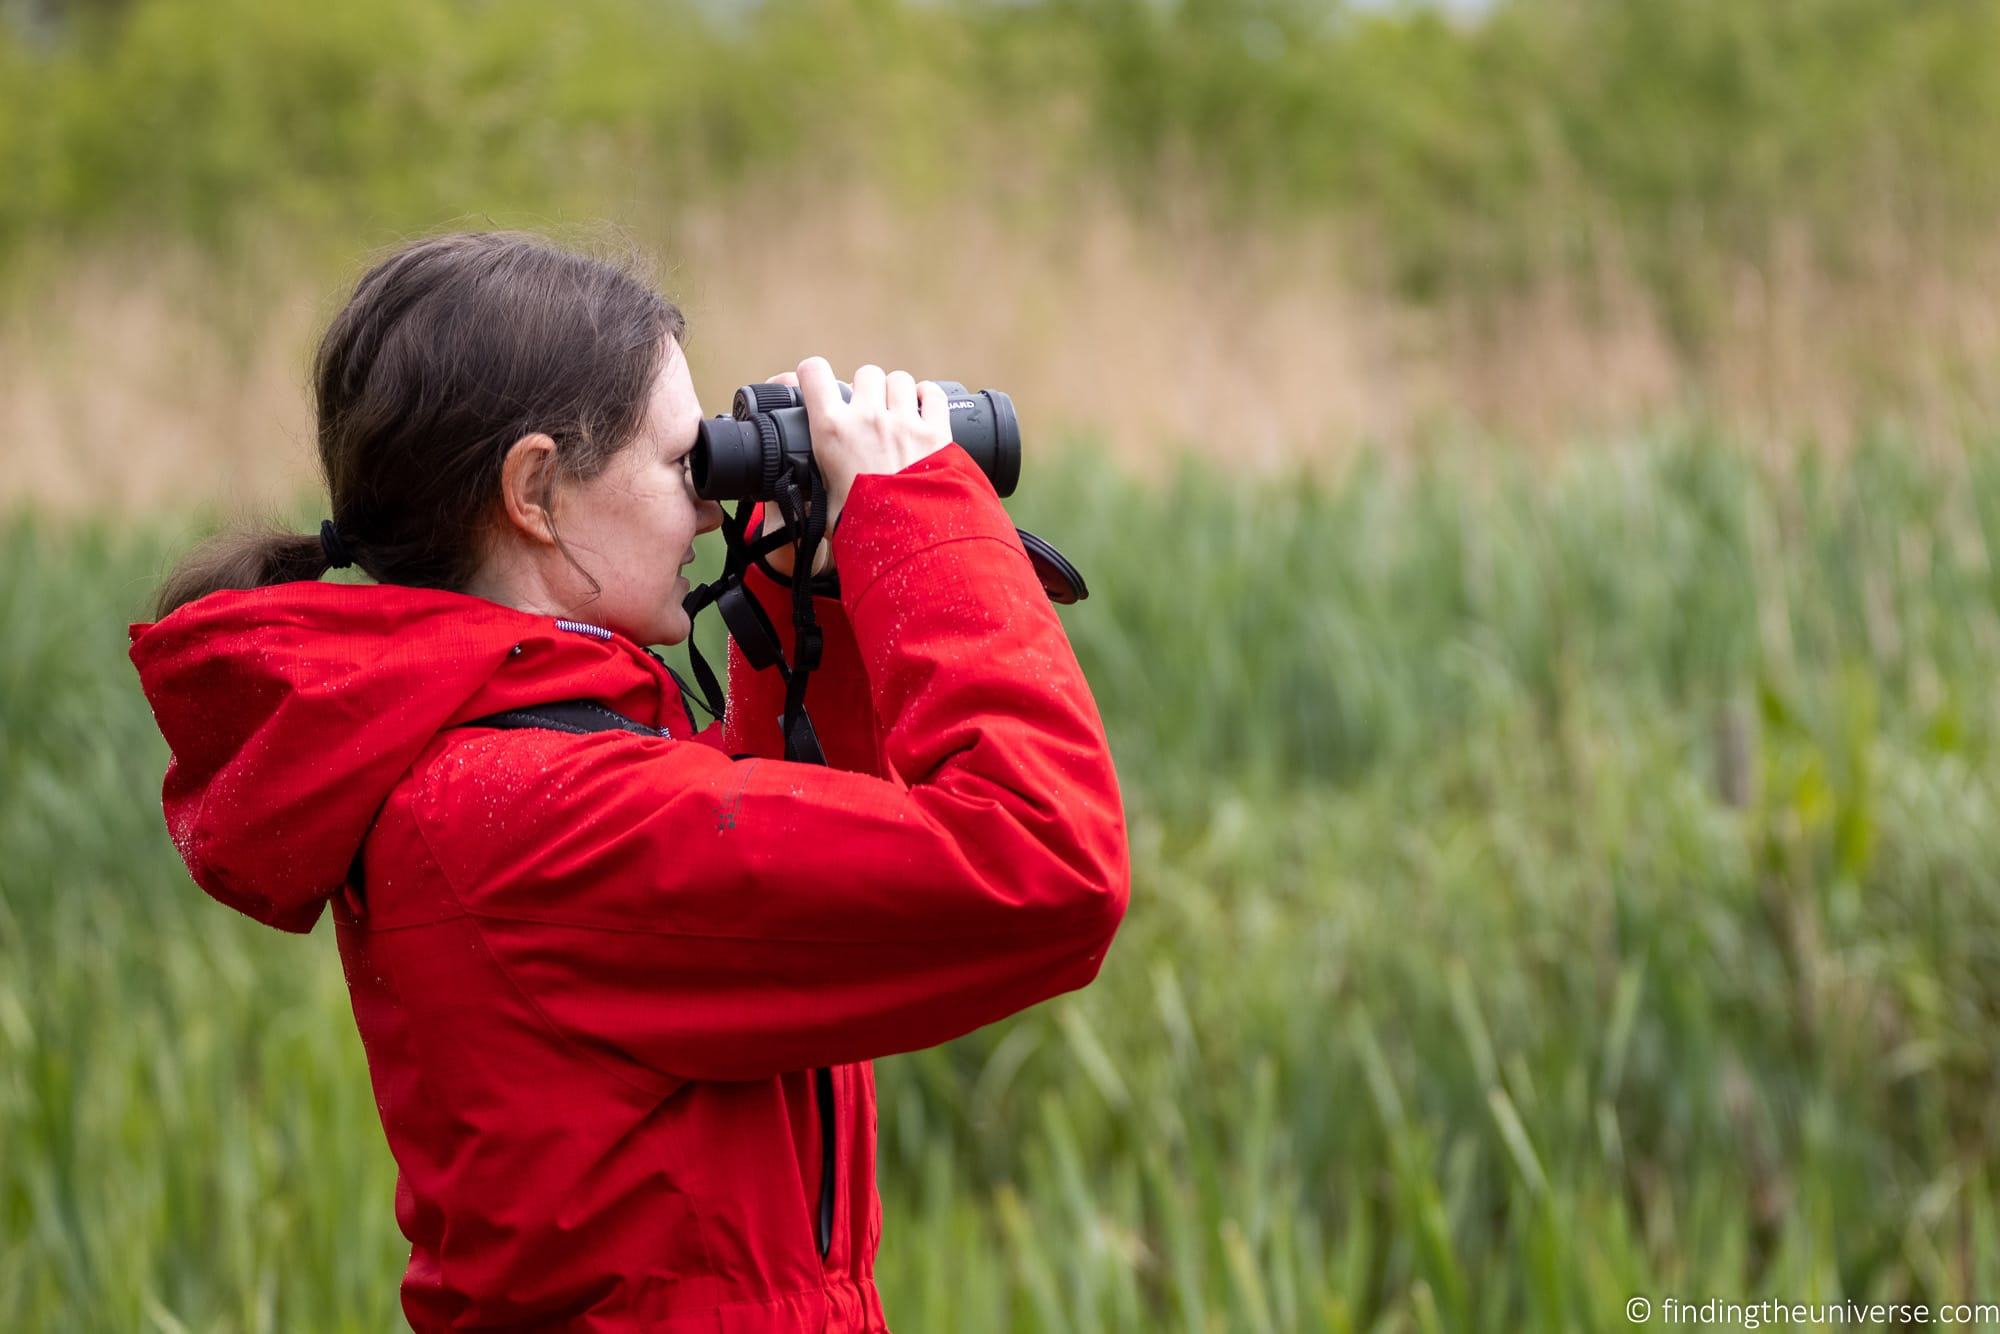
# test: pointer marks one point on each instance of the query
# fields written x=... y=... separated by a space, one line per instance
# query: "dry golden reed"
x=134 y=380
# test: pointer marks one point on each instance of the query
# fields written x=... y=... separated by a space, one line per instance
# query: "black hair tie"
x=338 y=557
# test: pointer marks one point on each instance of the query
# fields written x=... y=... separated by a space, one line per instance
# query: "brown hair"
x=449 y=351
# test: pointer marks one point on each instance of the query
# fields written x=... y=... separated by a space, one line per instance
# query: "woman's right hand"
x=891 y=422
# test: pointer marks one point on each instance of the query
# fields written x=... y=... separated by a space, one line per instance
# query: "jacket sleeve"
x=837 y=698
x=710 y=918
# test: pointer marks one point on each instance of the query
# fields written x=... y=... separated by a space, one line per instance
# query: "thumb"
x=819 y=389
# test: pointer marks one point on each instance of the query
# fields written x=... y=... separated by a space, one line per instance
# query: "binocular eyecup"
x=767 y=434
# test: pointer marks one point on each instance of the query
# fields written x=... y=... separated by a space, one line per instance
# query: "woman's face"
x=633 y=525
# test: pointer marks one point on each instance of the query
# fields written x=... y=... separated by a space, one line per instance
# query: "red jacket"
x=594 y=973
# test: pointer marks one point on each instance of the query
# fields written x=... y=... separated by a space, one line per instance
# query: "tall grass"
x=1552 y=884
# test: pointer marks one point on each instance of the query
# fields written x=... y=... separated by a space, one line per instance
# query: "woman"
x=595 y=973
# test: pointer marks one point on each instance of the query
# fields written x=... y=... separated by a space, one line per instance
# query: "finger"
x=899 y=391
x=819 y=389
x=868 y=389
x=785 y=377
x=935 y=405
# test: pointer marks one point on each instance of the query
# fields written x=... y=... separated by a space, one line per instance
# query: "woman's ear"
x=527 y=487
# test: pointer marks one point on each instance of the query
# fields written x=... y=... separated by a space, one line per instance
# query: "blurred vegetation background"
x=1538 y=220
x=1535 y=463
x=1683 y=139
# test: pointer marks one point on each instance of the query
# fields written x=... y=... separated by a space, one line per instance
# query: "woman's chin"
x=672 y=628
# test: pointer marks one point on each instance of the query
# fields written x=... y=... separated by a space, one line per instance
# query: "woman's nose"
x=711 y=516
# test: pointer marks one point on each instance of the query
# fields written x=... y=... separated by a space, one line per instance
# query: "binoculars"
x=766 y=435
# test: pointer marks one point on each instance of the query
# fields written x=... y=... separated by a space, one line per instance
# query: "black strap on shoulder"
x=569 y=715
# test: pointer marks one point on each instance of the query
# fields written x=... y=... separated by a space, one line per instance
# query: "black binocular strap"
x=746 y=620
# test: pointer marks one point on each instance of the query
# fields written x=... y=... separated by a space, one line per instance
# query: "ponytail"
x=252 y=558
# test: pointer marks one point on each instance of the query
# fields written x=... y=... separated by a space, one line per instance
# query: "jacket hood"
x=293 y=711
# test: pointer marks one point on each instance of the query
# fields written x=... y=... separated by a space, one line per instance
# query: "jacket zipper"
x=823 y=1089
x=822 y=1077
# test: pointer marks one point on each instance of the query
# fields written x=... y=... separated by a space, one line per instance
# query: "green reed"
x=1552 y=883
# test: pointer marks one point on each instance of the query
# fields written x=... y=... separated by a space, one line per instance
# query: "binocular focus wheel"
x=774 y=451
x=765 y=398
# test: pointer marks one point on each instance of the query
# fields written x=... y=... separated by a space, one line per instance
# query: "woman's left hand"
x=774 y=519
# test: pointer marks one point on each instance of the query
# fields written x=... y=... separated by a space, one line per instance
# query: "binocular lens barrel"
x=746 y=454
